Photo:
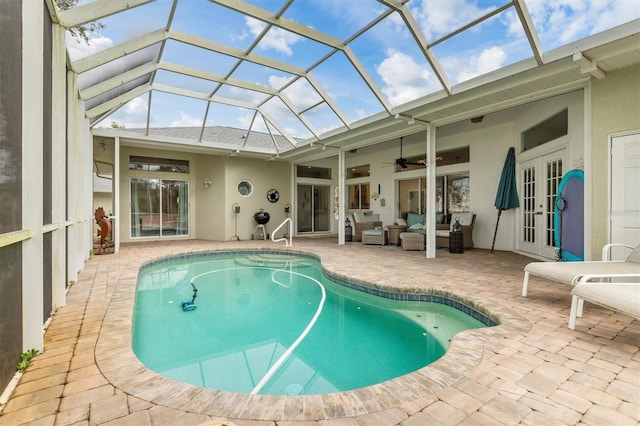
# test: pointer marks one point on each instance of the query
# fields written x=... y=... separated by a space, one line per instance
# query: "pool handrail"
x=288 y=242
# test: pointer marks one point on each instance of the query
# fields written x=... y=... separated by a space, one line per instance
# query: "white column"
x=32 y=175
x=341 y=196
x=58 y=166
x=72 y=179
x=116 y=195
x=430 y=171
x=588 y=174
x=86 y=169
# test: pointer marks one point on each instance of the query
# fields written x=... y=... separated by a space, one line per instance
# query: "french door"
x=539 y=180
x=314 y=208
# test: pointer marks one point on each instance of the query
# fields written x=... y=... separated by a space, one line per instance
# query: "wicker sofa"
x=362 y=221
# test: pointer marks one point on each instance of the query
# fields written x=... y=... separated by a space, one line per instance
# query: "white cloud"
x=302 y=94
x=439 y=17
x=136 y=108
x=133 y=115
x=186 y=121
x=278 y=81
x=487 y=61
x=79 y=48
x=404 y=79
x=563 y=21
x=276 y=38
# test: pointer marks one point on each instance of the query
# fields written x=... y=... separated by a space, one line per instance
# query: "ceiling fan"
x=403 y=162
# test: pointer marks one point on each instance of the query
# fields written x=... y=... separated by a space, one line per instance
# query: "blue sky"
x=387 y=51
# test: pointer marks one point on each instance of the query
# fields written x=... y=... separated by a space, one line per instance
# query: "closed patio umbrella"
x=507 y=195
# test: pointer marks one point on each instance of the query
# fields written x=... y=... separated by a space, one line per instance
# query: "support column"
x=58 y=166
x=116 y=195
x=341 y=196
x=32 y=176
x=430 y=170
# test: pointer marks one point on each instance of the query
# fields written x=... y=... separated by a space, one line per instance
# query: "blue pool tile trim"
x=341 y=281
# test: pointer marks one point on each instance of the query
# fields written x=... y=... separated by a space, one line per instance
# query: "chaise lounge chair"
x=571 y=272
x=619 y=297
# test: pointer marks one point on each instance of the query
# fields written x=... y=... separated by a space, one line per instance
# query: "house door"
x=624 y=217
x=313 y=208
x=539 y=180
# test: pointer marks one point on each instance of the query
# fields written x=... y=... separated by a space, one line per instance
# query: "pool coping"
x=120 y=366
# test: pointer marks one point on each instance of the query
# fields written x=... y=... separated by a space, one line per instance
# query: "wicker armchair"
x=467 y=220
x=363 y=221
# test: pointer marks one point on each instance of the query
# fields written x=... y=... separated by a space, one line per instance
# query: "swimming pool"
x=273 y=323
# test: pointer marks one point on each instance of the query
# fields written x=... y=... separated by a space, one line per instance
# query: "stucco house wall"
x=615 y=102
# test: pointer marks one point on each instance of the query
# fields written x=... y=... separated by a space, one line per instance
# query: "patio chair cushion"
x=618 y=297
x=372 y=232
x=361 y=217
x=465 y=219
x=570 y=272
x=415 y=223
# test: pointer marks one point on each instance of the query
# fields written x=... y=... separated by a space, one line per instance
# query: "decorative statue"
x=105 y=227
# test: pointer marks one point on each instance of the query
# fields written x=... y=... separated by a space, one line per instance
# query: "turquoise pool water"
x=274 y=324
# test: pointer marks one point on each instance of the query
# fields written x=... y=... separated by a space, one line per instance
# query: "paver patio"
x=531 y=369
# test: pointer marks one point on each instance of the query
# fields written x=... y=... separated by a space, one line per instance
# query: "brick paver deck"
x=529 y=370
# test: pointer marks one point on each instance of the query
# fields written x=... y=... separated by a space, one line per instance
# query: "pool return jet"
x=191 y=305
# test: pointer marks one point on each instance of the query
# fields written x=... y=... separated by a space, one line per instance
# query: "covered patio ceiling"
x=288 y=78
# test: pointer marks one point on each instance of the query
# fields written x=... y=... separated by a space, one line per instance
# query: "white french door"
x=539 y=180
x=625 y=192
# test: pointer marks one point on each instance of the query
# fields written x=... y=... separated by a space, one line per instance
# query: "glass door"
x=159 y=207
x=539 y=180
x=411 y=196
x=314 y=208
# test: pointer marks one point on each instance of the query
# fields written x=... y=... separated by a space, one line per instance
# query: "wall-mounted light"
x=206 y=182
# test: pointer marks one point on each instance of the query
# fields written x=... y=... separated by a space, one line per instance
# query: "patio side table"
x=394 y=233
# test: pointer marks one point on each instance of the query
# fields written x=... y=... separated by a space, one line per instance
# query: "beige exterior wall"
x=210 y=214
x=263 y=175
x=615 y=108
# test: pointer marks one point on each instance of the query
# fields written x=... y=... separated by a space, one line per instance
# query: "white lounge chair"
x=570 y=272
x=619 y=297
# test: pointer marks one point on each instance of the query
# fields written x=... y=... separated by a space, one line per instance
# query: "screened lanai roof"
x=283 y=76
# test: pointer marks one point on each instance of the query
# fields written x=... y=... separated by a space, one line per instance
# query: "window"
x=151 y=164
x=452 y=193
x=443 y=158
x=358 y=196
x=313 y=172
x=453 y=156
x=159 y=207
x=358 y=171
x=245 y=188
x=550 y=129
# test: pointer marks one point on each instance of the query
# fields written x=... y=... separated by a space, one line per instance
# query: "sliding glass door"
x=159 y=207
x=411 y=196
x=314 y=208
